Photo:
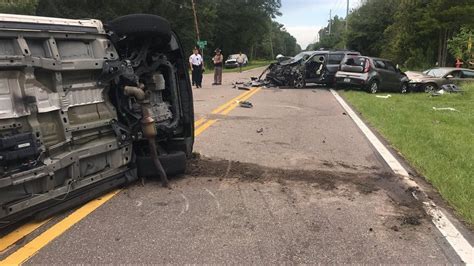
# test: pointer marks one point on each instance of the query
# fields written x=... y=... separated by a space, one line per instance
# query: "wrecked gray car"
x=317 y=67
x=85 y=108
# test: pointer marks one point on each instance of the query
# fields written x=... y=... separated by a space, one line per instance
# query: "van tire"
x=141 y=25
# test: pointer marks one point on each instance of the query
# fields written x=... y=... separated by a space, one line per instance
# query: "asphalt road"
x=292 y=180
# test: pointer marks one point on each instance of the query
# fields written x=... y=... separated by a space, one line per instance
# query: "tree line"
x=231 y=25
x=412 y=33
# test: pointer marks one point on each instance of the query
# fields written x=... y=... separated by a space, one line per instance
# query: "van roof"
x=35 y=23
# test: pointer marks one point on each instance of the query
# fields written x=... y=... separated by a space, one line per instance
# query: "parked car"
x=317 y=67
x=86 y=108
x=432 y=79
x=373 y=74
x=231 y=61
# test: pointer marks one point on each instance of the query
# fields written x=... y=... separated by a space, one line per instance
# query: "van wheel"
x=373 y=86
x=142 y=25
x=404 y=88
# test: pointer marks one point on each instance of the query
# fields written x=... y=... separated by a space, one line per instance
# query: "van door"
x=387 y=77
x=394 y=76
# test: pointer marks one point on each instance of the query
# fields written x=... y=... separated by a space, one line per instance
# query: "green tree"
x=25 y=7
x=458 y=46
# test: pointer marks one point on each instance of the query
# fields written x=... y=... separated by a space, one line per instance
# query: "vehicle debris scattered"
x=245 y=104
x=445 y=109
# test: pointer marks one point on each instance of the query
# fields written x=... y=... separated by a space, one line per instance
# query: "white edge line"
x=457 y=241
x=186 y=204
x=215 y=198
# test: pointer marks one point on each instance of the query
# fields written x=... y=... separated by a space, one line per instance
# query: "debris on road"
x=445 y=109
x=451 y=88
x=245 y=104
x=260 y=130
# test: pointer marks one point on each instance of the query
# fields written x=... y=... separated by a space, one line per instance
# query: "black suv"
x=373 y=74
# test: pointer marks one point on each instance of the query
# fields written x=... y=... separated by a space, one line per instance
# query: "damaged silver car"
x=87 y=107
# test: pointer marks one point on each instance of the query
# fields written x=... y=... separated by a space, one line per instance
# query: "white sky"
x=304 y=18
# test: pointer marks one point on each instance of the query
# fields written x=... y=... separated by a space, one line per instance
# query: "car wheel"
x=299 y=82
x=404 y=88
x=141 y=25
x=374 y=86
x=429 y=87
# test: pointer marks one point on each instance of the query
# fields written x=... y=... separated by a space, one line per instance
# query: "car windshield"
x=436 y=72
x=233 y=56
x=302 y=55
x=335 y=59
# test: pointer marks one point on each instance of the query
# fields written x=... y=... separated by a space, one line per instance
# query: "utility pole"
x=195 y=20
x=347 y=14
x=347 y=23
x=330 y=20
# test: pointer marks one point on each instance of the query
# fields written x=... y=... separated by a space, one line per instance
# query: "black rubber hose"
x=157 y=163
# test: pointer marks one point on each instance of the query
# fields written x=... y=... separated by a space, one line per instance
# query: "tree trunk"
x=445 y=47
x=440 y=48
x=252 y=56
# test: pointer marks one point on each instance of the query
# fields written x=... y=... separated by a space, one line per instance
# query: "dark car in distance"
x=373 y=74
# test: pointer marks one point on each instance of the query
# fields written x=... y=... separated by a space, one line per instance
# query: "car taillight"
x=367 y=66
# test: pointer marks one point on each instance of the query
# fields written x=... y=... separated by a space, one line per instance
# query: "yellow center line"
x=235 y=104
x=205 y=126
x=199 y=122
x=19 y=233
x=225 y=105
x=32 y=247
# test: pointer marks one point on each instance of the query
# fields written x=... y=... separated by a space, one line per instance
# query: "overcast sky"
x=304 y=18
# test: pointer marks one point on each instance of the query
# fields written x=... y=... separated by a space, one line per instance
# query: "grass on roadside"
x=253 y=64
x=439 y=144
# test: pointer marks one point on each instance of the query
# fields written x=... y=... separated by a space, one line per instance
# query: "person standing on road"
x=197 y=67
x=218 y=60
x=240 y=61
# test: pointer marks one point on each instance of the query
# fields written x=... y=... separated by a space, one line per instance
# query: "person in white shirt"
x=197 y=66
x=240 y=61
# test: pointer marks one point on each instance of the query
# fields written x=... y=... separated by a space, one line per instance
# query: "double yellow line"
x=31 y=248
x=202 y=124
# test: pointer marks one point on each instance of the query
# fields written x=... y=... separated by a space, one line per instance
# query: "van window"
x=355 y=61
x=390 y=66
x=335 y=59
x=380 y=64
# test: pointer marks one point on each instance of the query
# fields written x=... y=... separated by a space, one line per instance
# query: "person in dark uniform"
x=218 y=61
x=197 y=67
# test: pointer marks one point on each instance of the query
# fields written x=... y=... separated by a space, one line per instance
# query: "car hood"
x=415 y=75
